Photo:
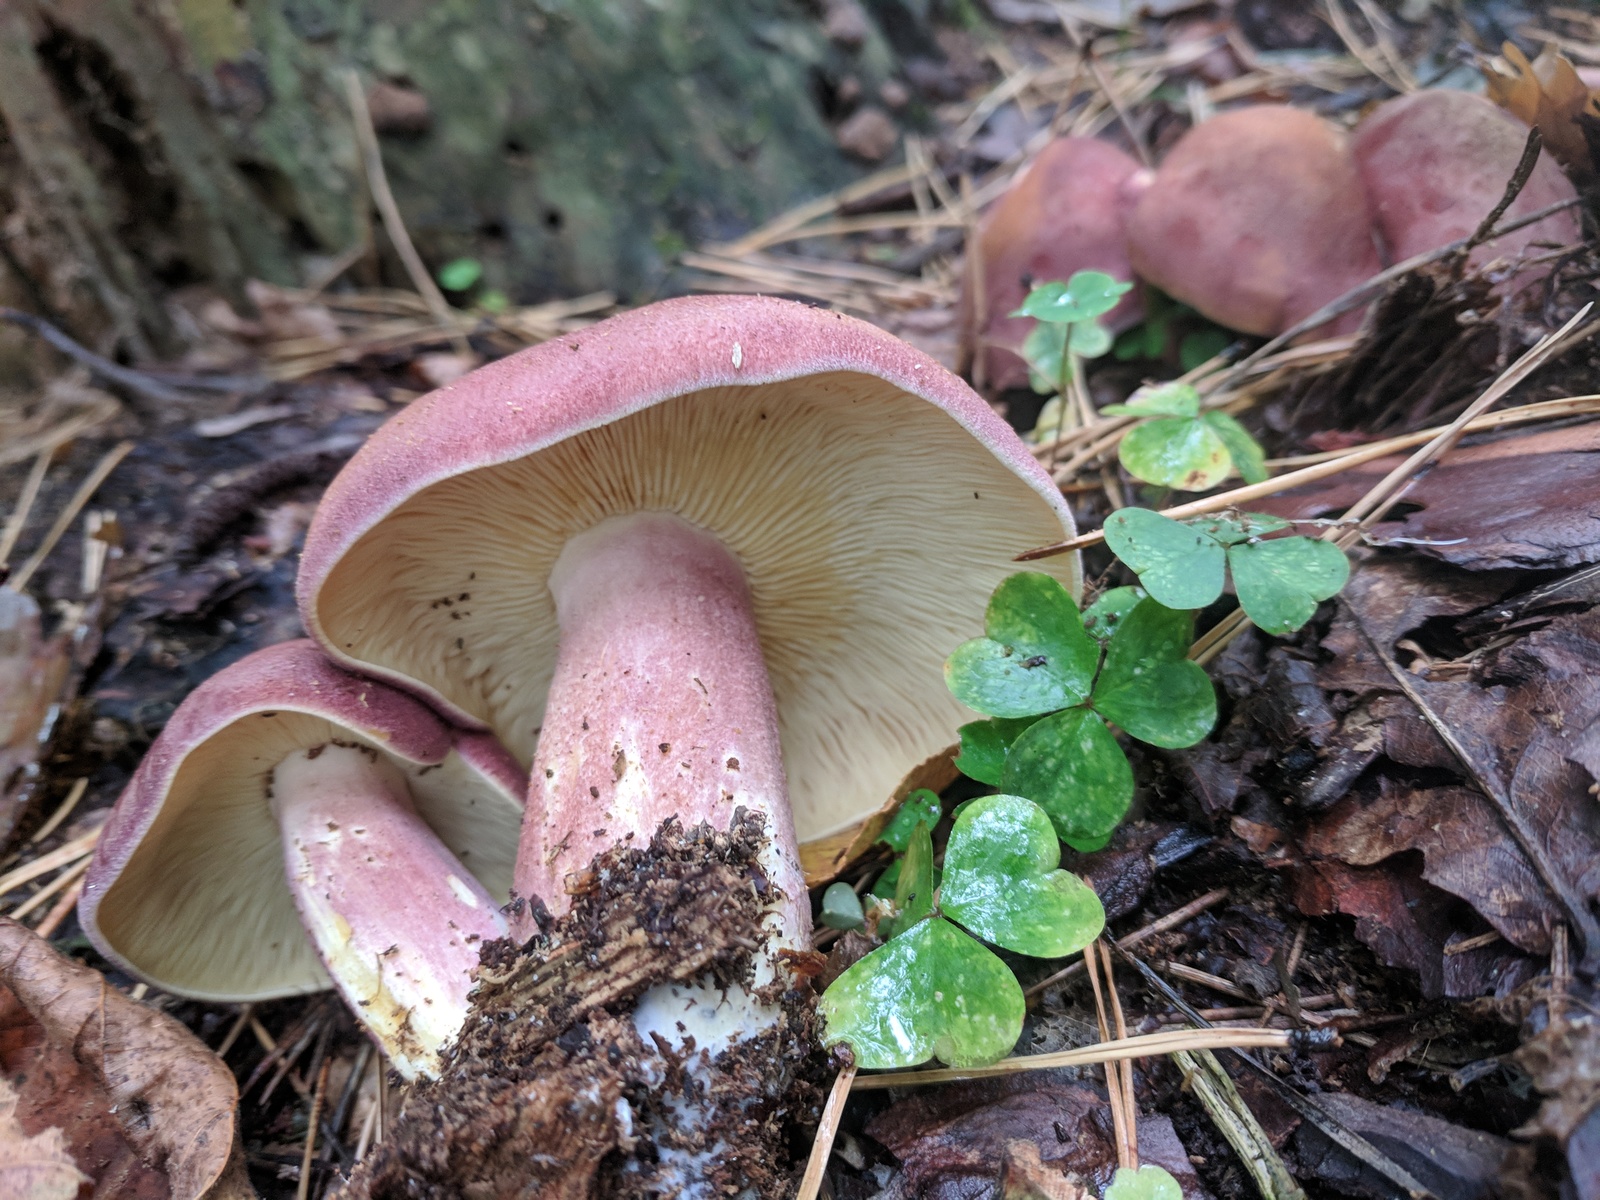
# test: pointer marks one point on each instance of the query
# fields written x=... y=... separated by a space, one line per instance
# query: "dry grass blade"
x=69 y=514
x=79 y=847
x=827 y=1130
x=62 y=812
x=60 y=910
x=1149 y=1045
x=393 y=223
x=1116 y=1094
x=19 y=514
x=68 y=877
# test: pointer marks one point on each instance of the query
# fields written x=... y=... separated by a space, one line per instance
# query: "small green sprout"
x=934 y=990
x=1040 y=675
x=1181 y=563
x=458 y=275
x=1149 y=1182
x=1178 y=446
x=1068 y=332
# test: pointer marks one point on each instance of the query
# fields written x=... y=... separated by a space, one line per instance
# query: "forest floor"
x=1336 y=858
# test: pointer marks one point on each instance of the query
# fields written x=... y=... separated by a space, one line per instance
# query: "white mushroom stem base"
x=660 y=707
x=395 y=918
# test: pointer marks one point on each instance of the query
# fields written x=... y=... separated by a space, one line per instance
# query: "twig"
x=60 y=911
x=1519 y=180
x=1526 y=838
x=1129 y=1103
x=827 y=1130
x=304 y=1190
x=1114 y=1093
x=393 y=223
x=30 y=492
x=1331 y=1127
x=239 y=1022
x=69 y=514
x=137 y=382
x=1175 y=918
x=62 y=812
x=1149 y=1045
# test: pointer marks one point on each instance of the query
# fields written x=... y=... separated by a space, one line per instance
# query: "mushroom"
x=705 y=555
x=292 y=823
x=1256 y=218
x=1436 y=162
x=1061 y=215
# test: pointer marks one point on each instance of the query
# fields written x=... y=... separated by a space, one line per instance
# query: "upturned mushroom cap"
x=1256 y=218
x=872 y=499
x=1064 y=214
x=187 y=886
x=1436 y=162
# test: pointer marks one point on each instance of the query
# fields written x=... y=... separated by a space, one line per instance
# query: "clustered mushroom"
x=703 y=557
x=1259 y=216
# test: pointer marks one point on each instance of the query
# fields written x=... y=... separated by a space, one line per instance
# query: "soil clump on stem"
x=551 y=1091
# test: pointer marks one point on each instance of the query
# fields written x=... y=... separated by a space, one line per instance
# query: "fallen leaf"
x=952 y=1140
x=33 y=674
x=36 y=1167
x=145 y=1108
x=1546 y=92
x=1531 y=502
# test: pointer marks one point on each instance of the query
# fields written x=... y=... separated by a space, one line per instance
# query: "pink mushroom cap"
x=1256 y=218
x=1062 y=215
x=1436 y=162
x=872 y=499
x=187 y=886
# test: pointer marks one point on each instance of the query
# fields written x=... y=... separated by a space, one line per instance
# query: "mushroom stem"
x=395 y=918
x=660 y=706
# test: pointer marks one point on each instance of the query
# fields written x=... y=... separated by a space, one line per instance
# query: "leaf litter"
x=1326 y=791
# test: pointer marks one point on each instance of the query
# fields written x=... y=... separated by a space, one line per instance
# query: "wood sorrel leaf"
x=1089 y=339
x=1001 y=881
x=1281 y=582
x=1180 y=566
x=932 y=991
x=1241 y=527
x=984 y=745
x=1036 y=657
x=841 y=907
x=1103 y=616
x=1070 y=766
x=1161 y=400
x=1087 y=295
x=920 y=807
x=1176 y=452
x=913 y=890
x=1148 y=686
x=1149 y=1182
x=1042 y=350
x=1249 y=459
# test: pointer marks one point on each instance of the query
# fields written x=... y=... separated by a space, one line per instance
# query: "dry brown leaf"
x=1546 y=92
x=32 y=674
x=36 y=1167
x=145 y=1108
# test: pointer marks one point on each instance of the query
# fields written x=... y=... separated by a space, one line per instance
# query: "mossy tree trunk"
x=568 y=145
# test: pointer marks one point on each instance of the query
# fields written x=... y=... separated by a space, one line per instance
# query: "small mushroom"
x=1062 y=215
x=1256 y=218
x=1436 y=162
x=294 y=823
x=706 y=555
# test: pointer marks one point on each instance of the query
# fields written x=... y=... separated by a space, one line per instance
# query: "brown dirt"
x=548 y=1089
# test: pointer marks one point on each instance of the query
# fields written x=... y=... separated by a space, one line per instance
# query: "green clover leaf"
x=932 y=991
x=1070 y=765
x=1149 y=1182
x=1036 y=657
x=1103 y=616
x=1281 y=582
x=841 y=907
x=920 y=807
x=1249 y=459
x=1001 y=881
x=1176 y=452
x=984 y=745
x=1179 y=565
x=913 y=886
x=1149 y=686
x=1173 y=399
x=1087 y=295
x=1232 y=529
